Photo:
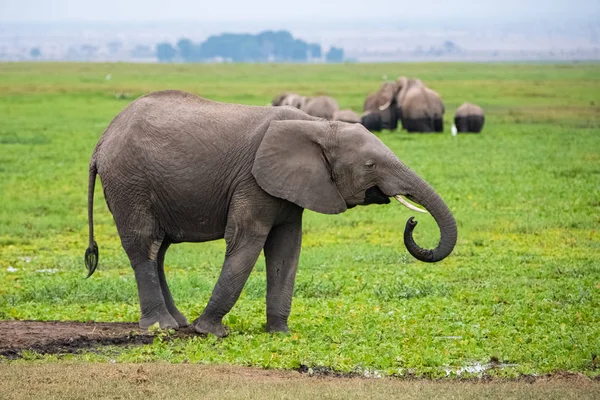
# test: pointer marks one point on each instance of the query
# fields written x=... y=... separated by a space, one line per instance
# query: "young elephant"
x=469 y=118
x=346 y=116
x=321 y=107
x=290 y=99
x=178 y=168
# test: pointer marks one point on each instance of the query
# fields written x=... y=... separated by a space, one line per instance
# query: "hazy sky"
x=255 y=10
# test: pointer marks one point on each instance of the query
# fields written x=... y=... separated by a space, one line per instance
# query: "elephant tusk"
x=386 y=105
x=407 y=204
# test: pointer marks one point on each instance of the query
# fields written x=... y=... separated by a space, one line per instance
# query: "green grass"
x=522 y=285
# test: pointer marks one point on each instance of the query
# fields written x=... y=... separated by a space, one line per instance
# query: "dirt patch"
x=57 y=337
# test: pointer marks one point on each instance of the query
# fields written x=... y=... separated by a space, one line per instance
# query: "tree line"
x=268 y=46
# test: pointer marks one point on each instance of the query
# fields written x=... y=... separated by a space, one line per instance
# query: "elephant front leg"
x=236 y=269
x=282 y=251
x=245 y=237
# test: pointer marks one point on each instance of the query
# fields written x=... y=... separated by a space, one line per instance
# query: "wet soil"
x=58 y=337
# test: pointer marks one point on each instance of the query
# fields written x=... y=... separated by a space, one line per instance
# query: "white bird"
x=454 y=130
x=108 y=77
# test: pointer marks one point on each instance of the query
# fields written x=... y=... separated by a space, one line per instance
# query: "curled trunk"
x=424 y=194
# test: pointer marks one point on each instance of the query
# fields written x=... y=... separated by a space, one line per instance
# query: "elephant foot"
x=217 y=328
x=276 y=325
x=165 y=321
x=180 y=318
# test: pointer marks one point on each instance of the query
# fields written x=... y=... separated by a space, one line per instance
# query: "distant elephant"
x=383 y=102
x=346 y=116
x=420 y=109
x=437 y=108
x=290 y=99
x=179 y=168
x=372 y=121
x=469 y=118
x=321 y=107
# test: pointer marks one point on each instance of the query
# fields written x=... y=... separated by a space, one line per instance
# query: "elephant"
x=372 y=121
x=321 y=107
x=469 y=118
x=290 y=99
x=346 y=116
x=438 y=109
x=420 y=109
x=383 y=102
x=177 y=168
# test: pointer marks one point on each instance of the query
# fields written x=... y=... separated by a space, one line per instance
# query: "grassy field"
x=522 y=287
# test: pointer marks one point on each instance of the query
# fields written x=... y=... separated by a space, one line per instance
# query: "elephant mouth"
x=374 y=195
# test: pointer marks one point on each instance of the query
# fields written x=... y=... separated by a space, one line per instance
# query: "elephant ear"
x=291 y=164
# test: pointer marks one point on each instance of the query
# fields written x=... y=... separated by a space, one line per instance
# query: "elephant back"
x=321 y=107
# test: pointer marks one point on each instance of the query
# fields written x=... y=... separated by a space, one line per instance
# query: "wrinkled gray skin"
x=420 y=109
x=469 y=118
x=178 y=168
x=321 y=107
x=346 y=116
x=383 y=102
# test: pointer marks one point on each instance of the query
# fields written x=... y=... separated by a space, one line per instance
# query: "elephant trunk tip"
x=425 y=255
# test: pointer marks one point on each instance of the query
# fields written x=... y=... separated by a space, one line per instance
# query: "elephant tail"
x=91 y=254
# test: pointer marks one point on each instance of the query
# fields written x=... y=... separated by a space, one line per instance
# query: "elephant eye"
x=370 y=164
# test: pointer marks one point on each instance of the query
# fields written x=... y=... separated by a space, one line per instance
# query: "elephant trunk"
x=421 y=192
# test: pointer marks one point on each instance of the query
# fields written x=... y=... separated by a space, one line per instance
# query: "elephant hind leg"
x=142 y=243
x=423 y=124
x=175 y=313
x=475 y=123
x=462 y=124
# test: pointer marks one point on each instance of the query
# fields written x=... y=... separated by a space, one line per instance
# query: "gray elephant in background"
x=290 y=99
x=372 y=121
x=321 y=107
x=383 y=102
x=346 y=116
x=420 y=109
x=179 y=168
x=469 y=118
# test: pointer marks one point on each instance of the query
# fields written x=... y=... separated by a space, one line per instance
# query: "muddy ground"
x=56 y=337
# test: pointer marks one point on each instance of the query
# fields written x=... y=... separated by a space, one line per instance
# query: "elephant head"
x=329 y=167
x=383 y=102
x=290 y=99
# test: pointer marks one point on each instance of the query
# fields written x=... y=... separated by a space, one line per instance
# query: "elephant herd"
x=409 y=101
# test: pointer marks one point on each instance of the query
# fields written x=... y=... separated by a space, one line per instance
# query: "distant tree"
x=187 y=50
x=299 y=50
x=35 y=52
x=165 y=52
x=314 y=49
x=263 y=47
x=334 y=55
